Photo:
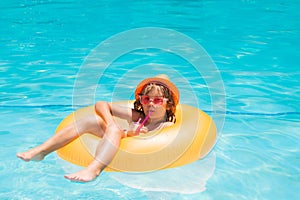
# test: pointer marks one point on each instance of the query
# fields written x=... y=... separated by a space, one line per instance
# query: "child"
x=157 y=96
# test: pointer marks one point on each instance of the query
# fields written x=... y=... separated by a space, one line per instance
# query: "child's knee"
x=113 y=131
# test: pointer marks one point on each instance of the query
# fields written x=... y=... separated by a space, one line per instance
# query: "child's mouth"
x=151 y=110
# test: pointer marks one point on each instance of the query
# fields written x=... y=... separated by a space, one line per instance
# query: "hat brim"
x=173 y=89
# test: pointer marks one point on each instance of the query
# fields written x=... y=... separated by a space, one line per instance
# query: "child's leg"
x=105 y=152
x=92 y=123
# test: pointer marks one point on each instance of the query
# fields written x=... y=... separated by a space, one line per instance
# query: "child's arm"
x=108 y=110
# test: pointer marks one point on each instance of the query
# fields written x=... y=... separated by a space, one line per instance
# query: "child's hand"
x=144 y=129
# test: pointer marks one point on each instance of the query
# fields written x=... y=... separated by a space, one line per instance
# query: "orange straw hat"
x=161 y=79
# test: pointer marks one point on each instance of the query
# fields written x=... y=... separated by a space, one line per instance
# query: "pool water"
x=254 y=45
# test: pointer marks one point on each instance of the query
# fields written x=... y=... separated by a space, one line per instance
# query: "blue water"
x=254 y=45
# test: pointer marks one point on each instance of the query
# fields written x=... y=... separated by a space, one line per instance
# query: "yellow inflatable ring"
x=189 y=139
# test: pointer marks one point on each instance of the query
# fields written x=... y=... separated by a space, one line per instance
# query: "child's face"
x=158 y=110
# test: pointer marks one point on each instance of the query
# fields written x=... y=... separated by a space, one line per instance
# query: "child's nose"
x=151 y=102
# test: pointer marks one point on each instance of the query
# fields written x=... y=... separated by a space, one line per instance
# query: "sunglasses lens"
x=145 y=99
x=158 y=100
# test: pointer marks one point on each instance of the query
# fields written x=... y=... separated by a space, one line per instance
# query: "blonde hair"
x=171 y=107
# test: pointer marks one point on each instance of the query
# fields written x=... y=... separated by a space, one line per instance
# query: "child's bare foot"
x=84 y=175
x=31 y=155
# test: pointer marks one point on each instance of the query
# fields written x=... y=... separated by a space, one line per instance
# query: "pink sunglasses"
x=145 y=99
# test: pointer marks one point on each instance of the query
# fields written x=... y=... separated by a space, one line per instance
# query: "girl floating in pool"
x=155 y=104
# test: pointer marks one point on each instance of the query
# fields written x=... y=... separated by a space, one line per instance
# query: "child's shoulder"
x=165 y=124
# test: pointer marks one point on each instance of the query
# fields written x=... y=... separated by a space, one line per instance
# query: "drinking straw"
x=142 y=124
